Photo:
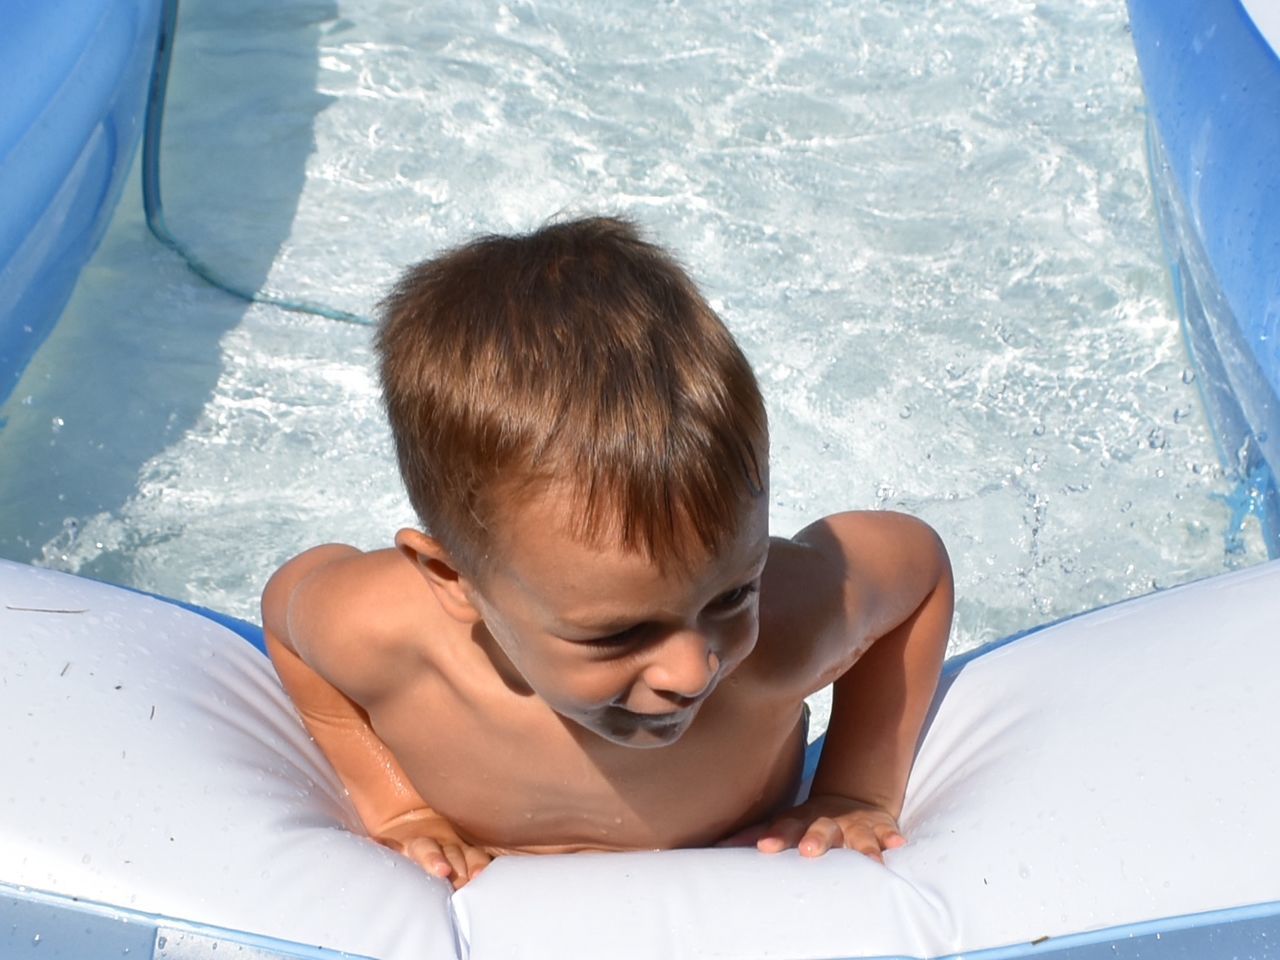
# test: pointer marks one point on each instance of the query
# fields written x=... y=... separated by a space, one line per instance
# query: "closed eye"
x=619 y=639
x=726 y=604
x=737 y=598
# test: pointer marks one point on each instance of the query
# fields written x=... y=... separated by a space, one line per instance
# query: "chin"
x=628 y=729
x=651 y=739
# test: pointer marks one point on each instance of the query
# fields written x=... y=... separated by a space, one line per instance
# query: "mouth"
x=625 y=726
x=680 y=706
x=628 y=727
x=660 y=721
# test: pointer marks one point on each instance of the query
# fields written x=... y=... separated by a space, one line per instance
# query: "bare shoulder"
x=882 y=553
x=353 y=617
x=836 y=586
x=801 y=596
x=889 y=562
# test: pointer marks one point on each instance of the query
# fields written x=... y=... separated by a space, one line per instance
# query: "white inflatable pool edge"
x=155 y=765
x=101 y=930
x=1265 y=15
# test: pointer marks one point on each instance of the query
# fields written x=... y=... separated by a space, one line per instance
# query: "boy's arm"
x=388 y=804
x=899 y=599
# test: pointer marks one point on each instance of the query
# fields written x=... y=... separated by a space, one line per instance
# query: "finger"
x=863 y=840
x=746 y=837
x=822 y=834
x=891 y=839
x=476 y=860
x=781 y=835
x=427 y=854
x=457 y=863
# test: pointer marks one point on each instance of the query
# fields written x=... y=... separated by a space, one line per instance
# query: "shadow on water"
x=135 y=357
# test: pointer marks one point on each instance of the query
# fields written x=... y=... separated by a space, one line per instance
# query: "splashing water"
x=928 y=224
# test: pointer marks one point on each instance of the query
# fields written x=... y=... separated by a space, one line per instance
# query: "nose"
x=683 y=666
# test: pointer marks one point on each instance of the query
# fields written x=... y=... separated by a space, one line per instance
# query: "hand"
x=432 y=843
x=824 y=823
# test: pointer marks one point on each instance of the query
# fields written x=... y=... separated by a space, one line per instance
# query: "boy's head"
x=578 y=358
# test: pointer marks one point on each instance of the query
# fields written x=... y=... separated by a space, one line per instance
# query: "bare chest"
x=522 y=779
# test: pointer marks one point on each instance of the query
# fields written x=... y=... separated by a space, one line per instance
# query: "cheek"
x=572 y=685
x=526 y=658
x=740 y=639
x=600 y=684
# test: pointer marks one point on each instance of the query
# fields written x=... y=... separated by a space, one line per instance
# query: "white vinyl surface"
x=1266 y=17
x=1112 y=769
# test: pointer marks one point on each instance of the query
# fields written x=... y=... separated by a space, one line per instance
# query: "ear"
x=452 y=588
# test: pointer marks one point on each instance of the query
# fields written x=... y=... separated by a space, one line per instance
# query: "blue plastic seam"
x=153 y=205
x=232 y=938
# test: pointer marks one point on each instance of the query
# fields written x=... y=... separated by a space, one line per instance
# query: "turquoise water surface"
x=929 y=225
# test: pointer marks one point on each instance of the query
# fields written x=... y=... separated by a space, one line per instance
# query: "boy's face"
x=609 y=640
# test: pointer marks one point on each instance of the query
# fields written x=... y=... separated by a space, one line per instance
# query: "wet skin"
x=578 y=696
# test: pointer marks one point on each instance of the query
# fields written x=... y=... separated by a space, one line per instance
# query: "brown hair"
x=578 y=354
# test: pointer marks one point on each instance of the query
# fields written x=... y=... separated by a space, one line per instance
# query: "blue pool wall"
x=75 y=76
x=1212 y=85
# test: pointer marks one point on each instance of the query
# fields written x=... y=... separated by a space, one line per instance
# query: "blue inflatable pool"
x=1211 y=72
x=75 y=75
x=1103 y=787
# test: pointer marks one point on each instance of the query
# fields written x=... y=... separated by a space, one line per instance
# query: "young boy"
x=593 y=643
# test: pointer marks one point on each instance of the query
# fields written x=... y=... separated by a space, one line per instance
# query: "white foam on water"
x=928 y=224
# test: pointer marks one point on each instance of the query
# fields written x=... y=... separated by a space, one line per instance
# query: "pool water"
x=929 y=224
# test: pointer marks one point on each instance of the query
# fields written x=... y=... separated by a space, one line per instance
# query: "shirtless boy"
x=592 y=643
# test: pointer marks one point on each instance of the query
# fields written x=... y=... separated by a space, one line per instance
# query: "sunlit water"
x=929 y=225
